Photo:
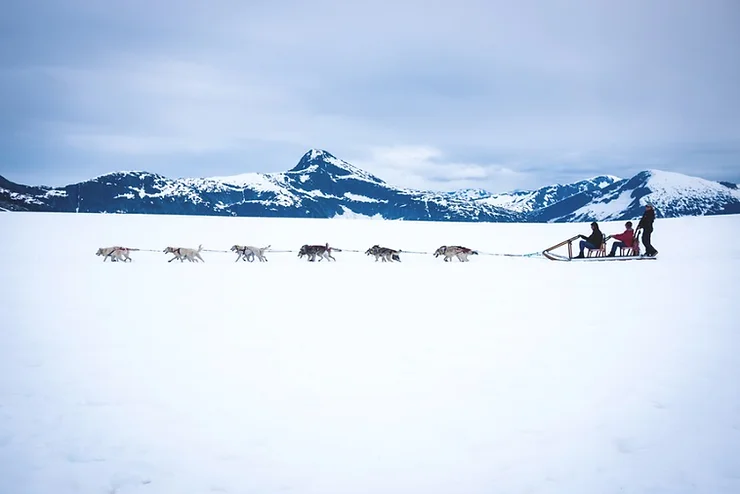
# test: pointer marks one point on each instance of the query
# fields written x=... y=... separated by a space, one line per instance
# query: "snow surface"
x=349 y=214
x=255 y=181
x=600 y=210
x=522 y=202
x=127 y=195
x=21 y=197
x=510 y=375
x=359 y=198
x=55 y=193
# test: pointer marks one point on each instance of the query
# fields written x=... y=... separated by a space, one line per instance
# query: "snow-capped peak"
x=317 y=153
x=671 y=194
x=603 y=181
x=318 y=160
x=667 y=188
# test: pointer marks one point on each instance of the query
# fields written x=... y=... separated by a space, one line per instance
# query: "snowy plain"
x=501 y=375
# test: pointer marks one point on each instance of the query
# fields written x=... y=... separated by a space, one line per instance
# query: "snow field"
x=497 y=375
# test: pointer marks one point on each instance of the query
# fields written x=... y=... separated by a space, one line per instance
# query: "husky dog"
x=116 y=253
x=107 y=252
x=183 y=253
x=248 y=252
x=320 y=251
x=383 y=253
x=450 y=251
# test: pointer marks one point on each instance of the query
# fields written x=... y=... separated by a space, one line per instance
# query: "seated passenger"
x=624 y=240
x=593 y=241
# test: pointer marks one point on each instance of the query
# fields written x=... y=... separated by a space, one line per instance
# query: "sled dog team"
x=311 y=252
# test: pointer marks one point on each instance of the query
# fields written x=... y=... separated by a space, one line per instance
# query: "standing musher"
x=646 y=225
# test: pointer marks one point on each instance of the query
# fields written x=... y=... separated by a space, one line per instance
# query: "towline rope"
x=292 y=251
x=531 y=254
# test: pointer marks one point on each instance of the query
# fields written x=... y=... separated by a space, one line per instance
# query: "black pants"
x=649 y=249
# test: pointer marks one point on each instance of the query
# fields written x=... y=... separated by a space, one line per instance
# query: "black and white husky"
x=383 y=253
x=320 y=251
x=450 y=251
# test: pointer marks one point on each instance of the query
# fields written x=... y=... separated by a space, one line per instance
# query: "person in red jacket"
x=625 y=239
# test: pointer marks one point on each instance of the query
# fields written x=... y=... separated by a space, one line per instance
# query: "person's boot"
x=579 y=256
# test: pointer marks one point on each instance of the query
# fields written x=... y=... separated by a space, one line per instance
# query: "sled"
x=593 y=255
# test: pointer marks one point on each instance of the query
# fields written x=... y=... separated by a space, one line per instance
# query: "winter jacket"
x=646 y=222
x=596 y=238
x=627 y=237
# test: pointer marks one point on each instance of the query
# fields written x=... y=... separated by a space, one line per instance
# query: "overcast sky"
x=423 y=93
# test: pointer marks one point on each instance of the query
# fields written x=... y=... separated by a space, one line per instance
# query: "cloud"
x=426 y=168
x=498 y=93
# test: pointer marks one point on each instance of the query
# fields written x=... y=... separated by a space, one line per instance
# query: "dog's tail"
x=200 y=248
x=133 y=250
x=265 y=248
x=474 y=252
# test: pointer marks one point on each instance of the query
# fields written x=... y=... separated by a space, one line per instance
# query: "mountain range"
x=323 y=186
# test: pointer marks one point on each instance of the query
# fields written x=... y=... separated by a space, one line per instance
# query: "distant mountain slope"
x=528 y=201
x=323 y=186
x=319 y=186
x=672 y=195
